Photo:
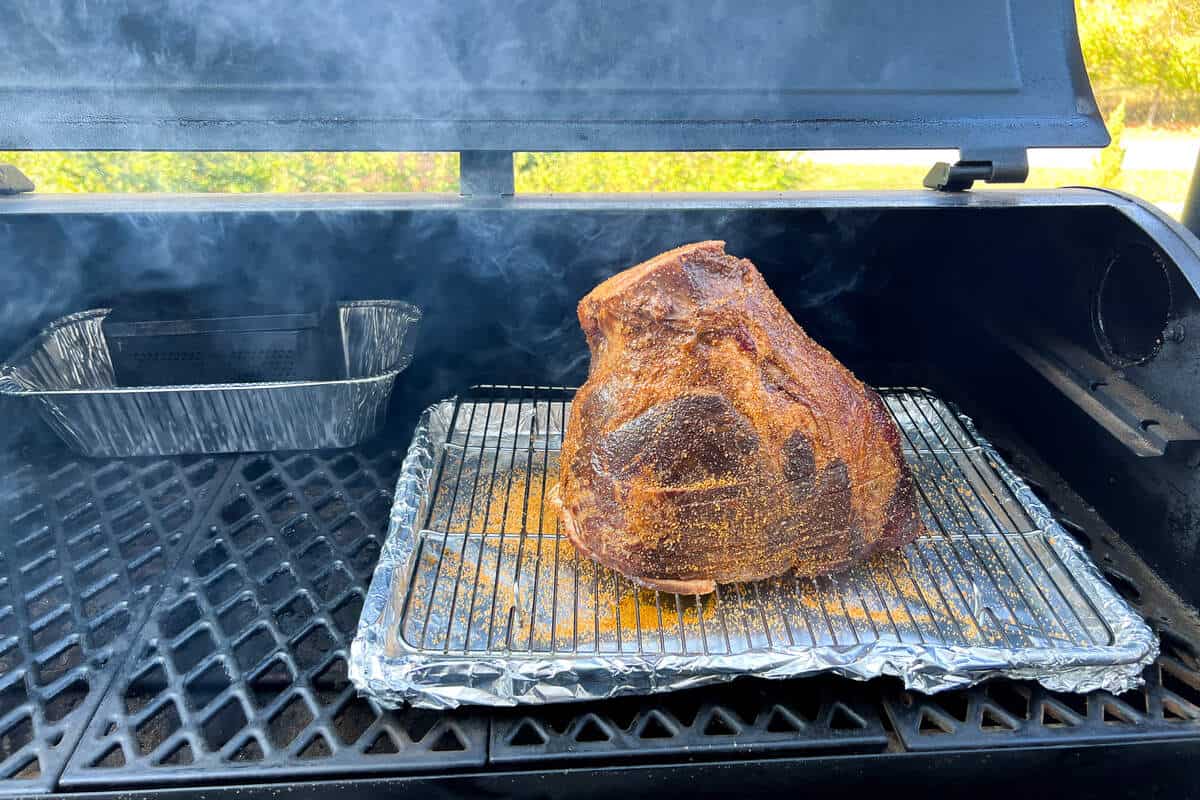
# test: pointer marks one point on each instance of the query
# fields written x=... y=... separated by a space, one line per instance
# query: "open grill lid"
x=989 y=75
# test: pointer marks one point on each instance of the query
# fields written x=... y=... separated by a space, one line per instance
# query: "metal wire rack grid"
x=493 y=574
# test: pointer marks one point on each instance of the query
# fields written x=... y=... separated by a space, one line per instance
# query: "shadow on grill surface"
x=86 y=546
x=240 y=672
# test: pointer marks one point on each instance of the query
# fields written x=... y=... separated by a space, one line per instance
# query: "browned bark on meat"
x=714 y=441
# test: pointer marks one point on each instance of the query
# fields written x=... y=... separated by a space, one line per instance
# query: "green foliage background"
x=1143 y=56
x=1145 y=53
x=98 y=171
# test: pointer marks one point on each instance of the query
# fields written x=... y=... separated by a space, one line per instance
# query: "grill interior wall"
x=499 y=286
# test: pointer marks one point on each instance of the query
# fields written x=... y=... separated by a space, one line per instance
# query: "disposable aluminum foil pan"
x=68 y=372
x=477 y=599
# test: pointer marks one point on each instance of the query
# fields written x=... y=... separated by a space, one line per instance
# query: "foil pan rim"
x=14 y=388
x=66 y=373
x=445 y=683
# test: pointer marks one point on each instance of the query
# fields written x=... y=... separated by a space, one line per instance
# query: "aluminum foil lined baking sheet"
x=477 y=599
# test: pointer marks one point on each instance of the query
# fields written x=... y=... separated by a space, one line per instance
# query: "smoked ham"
x=714 y=441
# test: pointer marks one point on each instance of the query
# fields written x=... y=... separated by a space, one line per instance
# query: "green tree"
x=95 y=171
x=1146 y=52
x=661 y=172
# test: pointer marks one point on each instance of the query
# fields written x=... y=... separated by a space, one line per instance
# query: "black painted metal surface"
x=86 y=547
x=240 y=672
x=1191 y=207
x=751 y=717
x=513 y=755
x=1101 y=772
x=592 y=75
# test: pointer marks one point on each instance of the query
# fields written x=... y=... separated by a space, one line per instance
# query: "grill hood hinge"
x=990 y=166
x=485 y=174
x=13 y=181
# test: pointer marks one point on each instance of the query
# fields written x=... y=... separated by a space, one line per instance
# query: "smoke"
x=316 y=74
x=499 y=286
x=835 y=263
x=42 y=271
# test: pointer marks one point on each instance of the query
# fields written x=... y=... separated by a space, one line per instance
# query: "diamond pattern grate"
x=747 y=717
x=1007 y=713
x=240 y=671
x=86 y=545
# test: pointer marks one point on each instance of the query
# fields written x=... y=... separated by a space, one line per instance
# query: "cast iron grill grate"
x=86 y=545
x=1017 y=714
x=750 y=717
x=240 y=672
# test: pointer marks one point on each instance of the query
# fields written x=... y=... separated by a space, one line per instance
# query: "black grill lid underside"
x=543 y=75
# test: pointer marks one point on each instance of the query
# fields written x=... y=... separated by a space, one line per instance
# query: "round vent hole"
x=1132 y=306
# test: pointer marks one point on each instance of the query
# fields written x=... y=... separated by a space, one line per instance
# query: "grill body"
x=185 y=622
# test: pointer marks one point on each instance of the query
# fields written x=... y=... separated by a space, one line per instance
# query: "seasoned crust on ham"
x=715 y=442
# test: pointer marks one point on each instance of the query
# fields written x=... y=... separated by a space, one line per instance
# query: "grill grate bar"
x=479 y=556
x=240 y=672
x=89 y=544
x=958 y=435
x=462 y=555
x=438 y=569
x=924 y=494
x=491 y=635
x=982 y=575
x=537 y=574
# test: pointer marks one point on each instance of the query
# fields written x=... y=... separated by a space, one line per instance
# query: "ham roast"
x=714 y=441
